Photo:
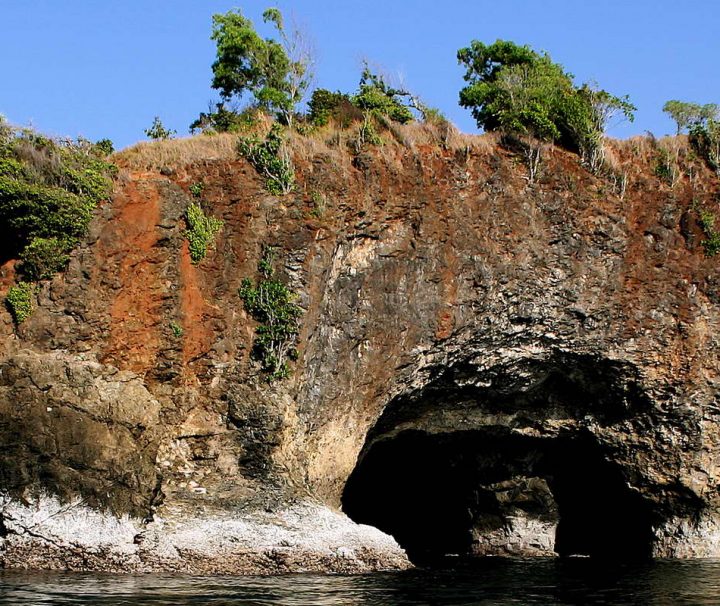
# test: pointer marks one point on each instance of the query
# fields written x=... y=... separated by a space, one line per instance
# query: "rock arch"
x=528 y=459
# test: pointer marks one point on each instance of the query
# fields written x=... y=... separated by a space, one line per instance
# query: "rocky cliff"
x=486 y=366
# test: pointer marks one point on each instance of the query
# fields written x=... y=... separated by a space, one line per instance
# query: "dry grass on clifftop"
x=149 y=155
x=181 y=152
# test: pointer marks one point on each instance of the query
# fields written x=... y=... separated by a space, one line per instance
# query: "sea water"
x=482 y=582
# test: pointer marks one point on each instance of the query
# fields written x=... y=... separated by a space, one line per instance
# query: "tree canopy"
x=376 y=96
x=687 y=114
x=275 y=72
x=518 y=90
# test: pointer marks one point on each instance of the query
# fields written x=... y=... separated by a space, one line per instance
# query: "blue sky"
x=104 y=69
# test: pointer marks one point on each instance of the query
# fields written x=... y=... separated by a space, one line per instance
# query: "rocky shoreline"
x=306 y=537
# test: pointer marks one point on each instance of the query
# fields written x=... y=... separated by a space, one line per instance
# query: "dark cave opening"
x=442 y=494
x=599 y=515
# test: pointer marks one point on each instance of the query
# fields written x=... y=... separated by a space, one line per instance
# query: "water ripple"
x=495 y=582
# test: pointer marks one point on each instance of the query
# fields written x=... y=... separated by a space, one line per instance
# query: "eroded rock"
x=485 y=367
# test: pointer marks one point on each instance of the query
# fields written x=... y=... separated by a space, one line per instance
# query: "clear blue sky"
x=104 y=69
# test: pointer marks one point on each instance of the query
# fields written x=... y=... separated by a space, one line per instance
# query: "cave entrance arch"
x=493 y=490
x=488 y=492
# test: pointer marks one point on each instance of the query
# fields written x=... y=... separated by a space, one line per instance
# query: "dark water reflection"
x=489 y=582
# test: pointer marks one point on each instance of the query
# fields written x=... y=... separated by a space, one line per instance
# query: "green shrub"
x=104 y=147
x=711 y=244
x=380 y=99
x=514 y=89
x=44 y=257
x=19 y=301
x=201 y=231
x=48 y=191
x=224 y=120
x=270 y=159
x=319 y=204
x=158 y=132
x=665 y=167
x=705 y=140
x=176 y=329
x=367 y=134
x=272 y=304
x=196 y=189
x=324 y=105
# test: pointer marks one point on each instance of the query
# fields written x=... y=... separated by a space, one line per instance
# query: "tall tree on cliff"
x=277 y=73
x=519 y=91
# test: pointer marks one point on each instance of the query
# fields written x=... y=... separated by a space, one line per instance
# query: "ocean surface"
x=486 y=582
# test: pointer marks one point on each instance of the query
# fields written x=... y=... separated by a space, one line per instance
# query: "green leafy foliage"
x=319 y=204
x=514 y=89
x=711 y=243
x=19 y=301
x=158 y=132
x=325 y=105
x=224 y=120
x=270 y=159
x=275 y=72
x=272 y=304
x=687 y=114
x=367 y=134
x=378 y=98
x=176 y=329
x=48 y=191
x=201 y=231
x=665 y=168
x=44 y=257
x=104 y=147
x=196 y=189
x=705 y=134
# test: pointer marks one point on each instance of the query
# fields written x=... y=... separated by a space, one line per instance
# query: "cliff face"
x=486 y=365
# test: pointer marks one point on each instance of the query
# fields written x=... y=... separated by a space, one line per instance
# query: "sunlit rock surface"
x=487 y=366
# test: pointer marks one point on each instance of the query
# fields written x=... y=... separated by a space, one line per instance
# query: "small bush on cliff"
x=48 y=191
x=158 y=132
x=224 y=120
x=705 y=139
x=201 y=231
x=44 y=257
x=104 y=147
x=271 y=160
x=325 y=105
x=19 y=301
x=272 y=304
x=711 y=243
x=666 y=166
x=176 y=329
x=196 y=189
x=381 y=100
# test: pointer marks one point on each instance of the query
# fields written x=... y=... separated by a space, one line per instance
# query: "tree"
x=587 y=113
x=705 y=134
x=687 y=114
x=276 y=73
x=377 y=97
x=516 y=90
x=483 y=65
x=158 y=132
